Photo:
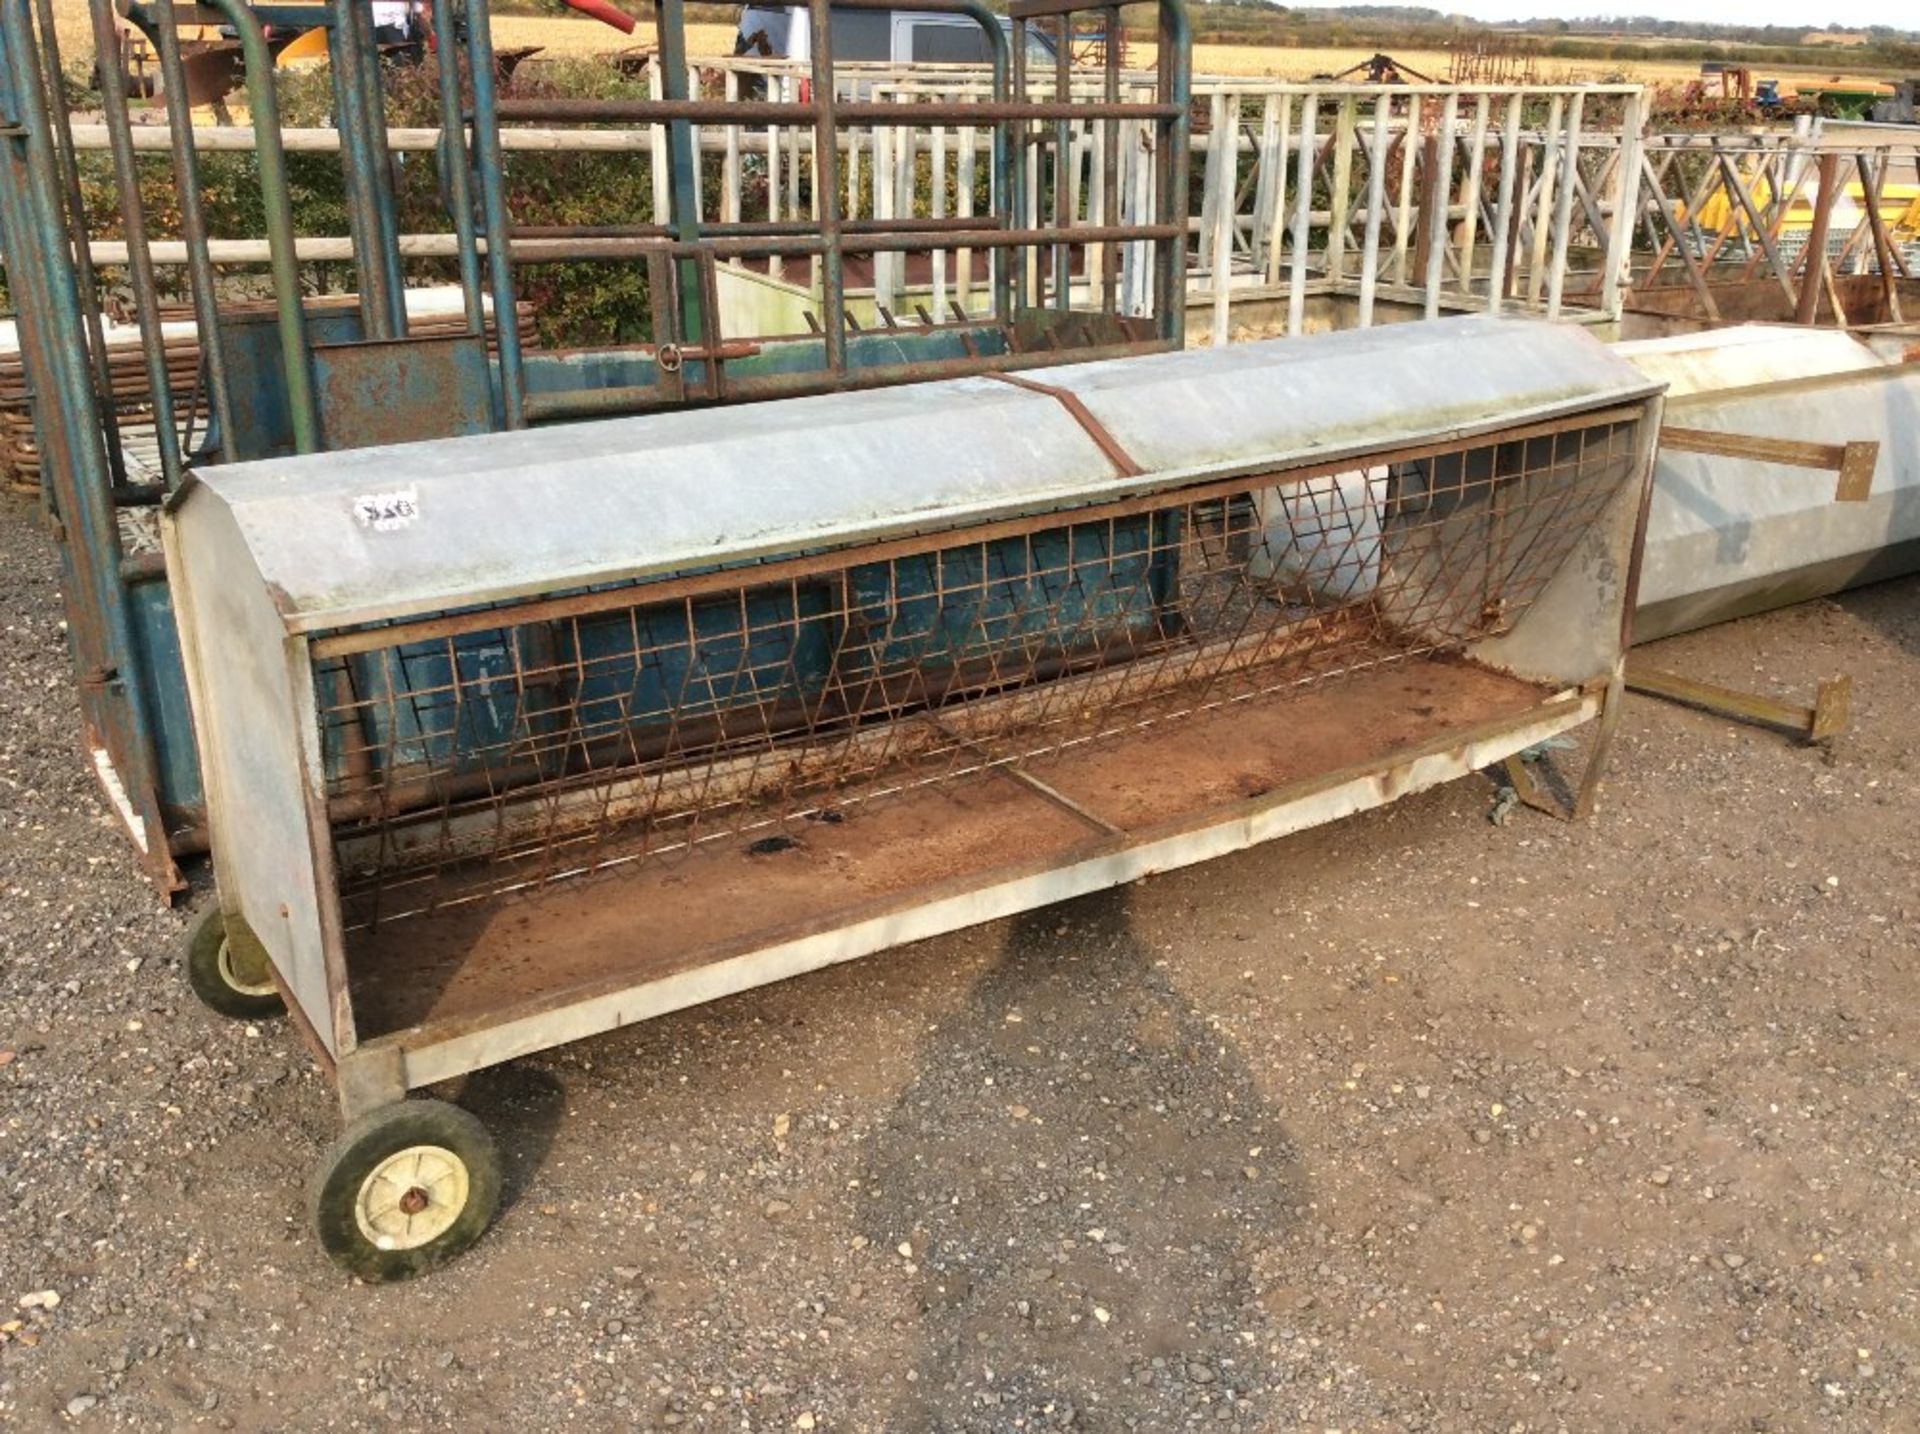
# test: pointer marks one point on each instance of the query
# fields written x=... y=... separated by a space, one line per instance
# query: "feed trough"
x=519 y=738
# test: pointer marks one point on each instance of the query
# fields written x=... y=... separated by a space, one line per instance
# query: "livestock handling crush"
x=515 y=738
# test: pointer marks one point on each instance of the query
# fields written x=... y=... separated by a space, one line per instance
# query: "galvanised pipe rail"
x=826 y=184
x=360 y=60
x=75 y=212
x=163 y=33
x=558 y=244
x=263 y=105
x=133 y=218
x=360 y=174
x=831 y=238
x=605 y=403
x=789 y=112
x=456 y=164
x=491 y=165
x=670 y=31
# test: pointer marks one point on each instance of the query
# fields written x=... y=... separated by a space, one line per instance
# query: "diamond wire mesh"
x=511 y=752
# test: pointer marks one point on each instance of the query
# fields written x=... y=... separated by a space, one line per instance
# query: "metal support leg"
x=1828 y=717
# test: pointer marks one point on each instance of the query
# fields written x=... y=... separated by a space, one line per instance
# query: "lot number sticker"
x=386 y=512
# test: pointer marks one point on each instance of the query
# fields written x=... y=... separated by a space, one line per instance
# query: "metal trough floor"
x=468 y=967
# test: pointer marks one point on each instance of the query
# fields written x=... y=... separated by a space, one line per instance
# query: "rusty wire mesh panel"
x=486 y=752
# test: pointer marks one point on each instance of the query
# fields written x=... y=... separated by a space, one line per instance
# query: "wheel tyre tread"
x=371 y=1139
x=200 y=954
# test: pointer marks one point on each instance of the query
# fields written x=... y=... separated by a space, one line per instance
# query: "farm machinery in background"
x=1732 y=93
x=1483 y=60
x=213 y=59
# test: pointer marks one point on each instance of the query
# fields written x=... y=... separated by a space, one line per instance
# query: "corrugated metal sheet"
x=377 y=533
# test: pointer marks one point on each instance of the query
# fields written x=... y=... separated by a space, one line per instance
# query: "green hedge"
x=573 y=304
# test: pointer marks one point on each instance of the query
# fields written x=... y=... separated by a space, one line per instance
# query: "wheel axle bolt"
x=413 y=1202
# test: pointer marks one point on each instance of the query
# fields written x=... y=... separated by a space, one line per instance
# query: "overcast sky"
x=1902 y=13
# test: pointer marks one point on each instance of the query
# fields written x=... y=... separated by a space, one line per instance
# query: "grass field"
x=573 y=36
x=1284 y=62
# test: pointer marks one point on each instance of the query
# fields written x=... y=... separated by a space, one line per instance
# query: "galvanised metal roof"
x=382 y=533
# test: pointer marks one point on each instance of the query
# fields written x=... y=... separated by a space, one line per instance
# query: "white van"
x=900 y=37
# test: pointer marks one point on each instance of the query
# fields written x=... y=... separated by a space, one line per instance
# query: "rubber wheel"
x=405 y=1189
x=222 y=982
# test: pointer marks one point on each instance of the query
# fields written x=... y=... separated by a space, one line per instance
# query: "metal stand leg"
x=1828 y=717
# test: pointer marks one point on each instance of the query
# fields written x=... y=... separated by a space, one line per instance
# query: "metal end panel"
x=251 y=726
x=384 y=533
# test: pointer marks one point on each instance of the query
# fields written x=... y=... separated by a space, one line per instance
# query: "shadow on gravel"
x=1086 y=1174
x=522 y=1106
x=1892 y=606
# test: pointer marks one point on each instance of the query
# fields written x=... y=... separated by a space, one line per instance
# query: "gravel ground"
x=1410 y=1122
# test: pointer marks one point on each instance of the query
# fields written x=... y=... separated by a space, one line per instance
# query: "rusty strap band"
x=1082 y=415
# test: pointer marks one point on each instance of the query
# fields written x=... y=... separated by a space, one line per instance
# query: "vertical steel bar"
x=1216 y=211
x=1522 y=187
x=193 y=225
x=356 y=167
x=1376 y=205
x=371 y=94
x=1277 y=205
x=963 y=206
x=1340 y=192
x=1626 y=206
x=730 y=163
x=826 y=186
x=1503 y=212
x=1175 y=60
x=793 y=169
x=938 y=210
x=1021 y=180
x=1146 y=198
x=263 y=105
x=670 y=28
x=999 y=162
x=491 y=163
x=1110 y=158
x=108 y=63
x=456 y=162
x=1440 y=198
x=1563 y=208
x=1302 y=215
x=776 y=265
x=354 y=69
x=1543 y=211
x=1263 y=165
x=1476 y=174
x=1403 y=214
x=886 y=189
x=658 y=168
x=815 y=202
x=1062 y=167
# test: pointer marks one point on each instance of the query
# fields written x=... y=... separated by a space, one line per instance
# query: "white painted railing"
x=1437 y=197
